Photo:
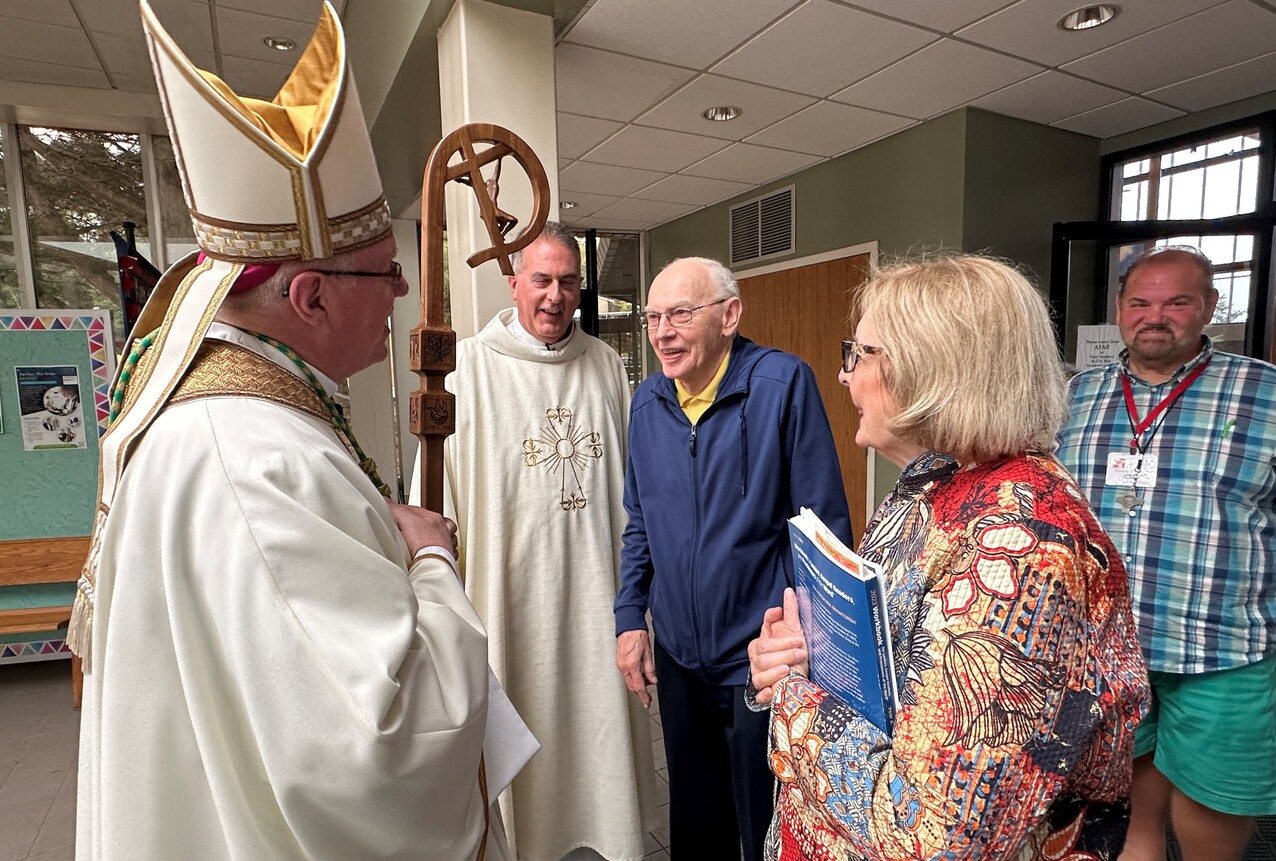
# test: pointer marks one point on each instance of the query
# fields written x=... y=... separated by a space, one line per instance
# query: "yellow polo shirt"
x=693 y=406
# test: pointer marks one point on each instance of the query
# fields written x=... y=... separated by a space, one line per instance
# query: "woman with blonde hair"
x=1019 y=674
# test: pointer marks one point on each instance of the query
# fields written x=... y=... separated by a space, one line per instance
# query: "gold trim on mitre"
x=293 y=178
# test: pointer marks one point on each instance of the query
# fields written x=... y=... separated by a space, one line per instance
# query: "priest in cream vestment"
x=534 y=479
x=280 y=663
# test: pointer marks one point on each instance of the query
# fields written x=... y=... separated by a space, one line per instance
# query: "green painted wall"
x=1020 y=179
x=904 y=191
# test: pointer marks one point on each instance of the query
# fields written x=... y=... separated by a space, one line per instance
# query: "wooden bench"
x=43 y=560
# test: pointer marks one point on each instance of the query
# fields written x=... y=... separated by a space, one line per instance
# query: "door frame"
x=871 y=249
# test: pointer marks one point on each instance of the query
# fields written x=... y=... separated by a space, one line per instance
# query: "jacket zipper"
x=695 y=544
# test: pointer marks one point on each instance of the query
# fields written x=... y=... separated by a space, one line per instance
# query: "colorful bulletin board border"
x=97 y=328
x=49 y=648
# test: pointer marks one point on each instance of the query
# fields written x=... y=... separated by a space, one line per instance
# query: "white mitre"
x=294 y=178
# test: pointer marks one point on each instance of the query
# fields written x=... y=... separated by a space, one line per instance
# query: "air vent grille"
x=763 y=227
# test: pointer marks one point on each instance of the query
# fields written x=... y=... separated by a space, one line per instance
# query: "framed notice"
x=49 y=406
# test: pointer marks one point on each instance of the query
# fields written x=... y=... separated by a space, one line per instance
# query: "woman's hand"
x=780 y=648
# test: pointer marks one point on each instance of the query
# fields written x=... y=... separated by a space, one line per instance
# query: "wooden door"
x=806 y=311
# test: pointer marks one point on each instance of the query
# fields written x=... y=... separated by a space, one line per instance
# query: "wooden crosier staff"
x=432 y=348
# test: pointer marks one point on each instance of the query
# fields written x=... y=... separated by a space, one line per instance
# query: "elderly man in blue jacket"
x=724 y=446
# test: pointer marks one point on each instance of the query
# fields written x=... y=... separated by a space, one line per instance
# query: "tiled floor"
x=39 y=734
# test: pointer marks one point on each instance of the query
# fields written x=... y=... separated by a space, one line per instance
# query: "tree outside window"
x=79 y=185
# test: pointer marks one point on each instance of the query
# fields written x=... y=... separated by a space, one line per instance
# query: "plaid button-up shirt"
x=1201 y=549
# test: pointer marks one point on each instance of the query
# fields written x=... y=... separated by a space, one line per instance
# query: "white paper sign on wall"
x=1098 y=346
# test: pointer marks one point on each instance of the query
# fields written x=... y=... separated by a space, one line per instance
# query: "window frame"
x=1109 y=231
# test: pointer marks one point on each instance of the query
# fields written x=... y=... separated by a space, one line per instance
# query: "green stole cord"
x=335 y=413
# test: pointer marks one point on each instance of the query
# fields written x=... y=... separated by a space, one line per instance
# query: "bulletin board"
x=56 y=368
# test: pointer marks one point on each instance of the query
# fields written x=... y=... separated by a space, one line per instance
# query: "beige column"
x=496 y=65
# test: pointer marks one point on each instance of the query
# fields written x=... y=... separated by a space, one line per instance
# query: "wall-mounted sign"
x=49 y=407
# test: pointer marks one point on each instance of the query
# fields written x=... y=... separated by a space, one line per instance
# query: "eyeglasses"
x=677 y=317
x=853 y=351
x=395 y=273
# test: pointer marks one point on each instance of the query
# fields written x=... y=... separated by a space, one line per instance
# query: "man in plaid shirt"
x=1175 y=446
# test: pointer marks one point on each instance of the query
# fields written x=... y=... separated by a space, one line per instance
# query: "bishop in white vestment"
x=280 y=663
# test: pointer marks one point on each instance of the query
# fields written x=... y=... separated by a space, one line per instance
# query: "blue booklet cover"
x=842 y=605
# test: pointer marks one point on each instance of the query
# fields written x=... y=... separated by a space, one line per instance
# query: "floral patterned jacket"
x=1021 y=682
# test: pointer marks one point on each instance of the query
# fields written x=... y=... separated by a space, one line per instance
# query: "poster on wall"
x=49 y=405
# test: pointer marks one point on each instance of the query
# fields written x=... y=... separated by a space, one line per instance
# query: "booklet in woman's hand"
x=842 y=605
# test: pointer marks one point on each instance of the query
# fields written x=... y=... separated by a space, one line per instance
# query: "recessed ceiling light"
x=567 y=204
x=1089 y=16
x=721 y=113
x=278 y=43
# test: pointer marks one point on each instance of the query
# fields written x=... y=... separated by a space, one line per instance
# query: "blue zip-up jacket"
x=707 y=544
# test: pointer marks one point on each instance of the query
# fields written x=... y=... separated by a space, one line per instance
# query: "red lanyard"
x=1138 y=426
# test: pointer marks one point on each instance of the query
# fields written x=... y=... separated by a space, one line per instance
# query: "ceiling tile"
x=190 y=24
x=36 y=72
x=615 y=224
x=577 y=135
x=674 y=31
x=129 y=57
x=822 y=47
x=563 y=162
x=633 y=209
x=1241 y=81
x=935 y=79
x=1049 y=97
x=602 y=84
x=654 y=149
x=697 y=190
x=296 y=10
x=1202 y=43
x=134 y=85
x=1030 y=28
x=946 y=15
x=253 y=78
x=240 y=34
x=46 y=11
x=587 y=204
x=829 y=129
x=752 y=164
x=31 y=40
x=604 y=179
x=1119 y=118
x=762 y=106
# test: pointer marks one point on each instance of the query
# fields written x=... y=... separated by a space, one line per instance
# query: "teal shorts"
x=1214 y=736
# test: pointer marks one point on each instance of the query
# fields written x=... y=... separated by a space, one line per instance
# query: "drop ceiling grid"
x=1018 y=62
x=97 y=43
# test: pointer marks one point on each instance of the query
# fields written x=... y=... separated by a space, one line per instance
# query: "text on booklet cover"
x=842 y=605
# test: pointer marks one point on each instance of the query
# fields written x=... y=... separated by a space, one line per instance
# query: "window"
x=178 y=232
x=79 y=185
x=10 y=293
x=618 y=277
x=1203 y=191
x=1214 y=178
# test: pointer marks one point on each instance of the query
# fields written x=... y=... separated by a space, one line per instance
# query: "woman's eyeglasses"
x=853 y=351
